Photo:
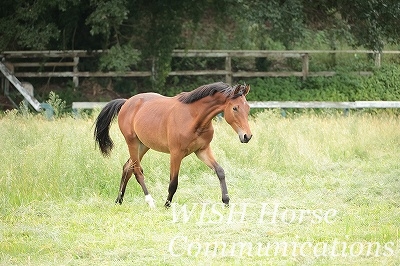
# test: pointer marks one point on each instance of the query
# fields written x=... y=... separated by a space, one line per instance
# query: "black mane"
x=207 y=90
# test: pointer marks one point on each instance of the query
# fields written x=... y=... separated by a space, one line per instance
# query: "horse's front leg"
x=207 y=157
x=175 y=164
x=221 y=176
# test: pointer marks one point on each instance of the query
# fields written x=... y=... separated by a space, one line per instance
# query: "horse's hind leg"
x=127 y=171
x=138 y=171
x=132 y=166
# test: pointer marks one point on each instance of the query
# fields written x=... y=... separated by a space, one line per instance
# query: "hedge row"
x=383 y=85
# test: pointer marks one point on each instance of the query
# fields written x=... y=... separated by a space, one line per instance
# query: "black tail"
x=103 y=123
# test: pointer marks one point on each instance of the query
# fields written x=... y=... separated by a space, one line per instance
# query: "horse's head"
x=236 y=112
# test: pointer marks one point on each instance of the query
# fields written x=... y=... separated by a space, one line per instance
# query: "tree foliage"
x=119 y=58
x=156 y=27
x=371 y=24
x=107 y=18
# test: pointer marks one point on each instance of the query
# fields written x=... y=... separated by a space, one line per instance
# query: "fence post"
x=304 y=58
x=29 y=89
x=377 y=59
x=10 y=67
x=228 y=69
x=75 y=78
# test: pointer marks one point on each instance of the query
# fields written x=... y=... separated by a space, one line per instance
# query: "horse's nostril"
x=246 y=138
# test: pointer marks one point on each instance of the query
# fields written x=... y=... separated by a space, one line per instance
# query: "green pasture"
x=310 y=189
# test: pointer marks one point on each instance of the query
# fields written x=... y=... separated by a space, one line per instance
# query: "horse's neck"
x=206 y=110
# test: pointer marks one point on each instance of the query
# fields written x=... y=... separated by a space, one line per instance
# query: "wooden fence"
x=49 y=63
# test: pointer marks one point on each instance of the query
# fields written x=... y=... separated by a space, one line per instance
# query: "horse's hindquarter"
x=152 y=123
x=131 y=115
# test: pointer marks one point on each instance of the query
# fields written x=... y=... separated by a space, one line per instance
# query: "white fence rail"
x=335 y=105
x=76 y=106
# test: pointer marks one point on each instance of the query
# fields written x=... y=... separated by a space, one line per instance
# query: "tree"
x=45 y=25
x=152 y=26
x=371 y=24
x=156 y=27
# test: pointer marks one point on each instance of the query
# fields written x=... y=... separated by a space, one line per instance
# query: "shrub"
x=384 y=85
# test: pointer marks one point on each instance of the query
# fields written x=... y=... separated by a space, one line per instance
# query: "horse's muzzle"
x=245 y=138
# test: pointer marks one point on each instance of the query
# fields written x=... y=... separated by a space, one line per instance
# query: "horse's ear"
x=246 y=90
x=242 y=89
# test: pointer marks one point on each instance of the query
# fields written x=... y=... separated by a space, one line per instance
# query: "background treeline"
x=140 y=35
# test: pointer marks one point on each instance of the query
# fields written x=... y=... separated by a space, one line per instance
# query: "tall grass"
x=57 y=194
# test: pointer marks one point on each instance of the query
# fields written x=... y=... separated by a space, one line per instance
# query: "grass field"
x=311 y=189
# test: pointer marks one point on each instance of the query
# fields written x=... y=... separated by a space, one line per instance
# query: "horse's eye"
x=235 y=108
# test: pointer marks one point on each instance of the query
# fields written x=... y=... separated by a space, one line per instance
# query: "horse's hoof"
x=167 y=204
x=118 y=201
x=226 y=200
x=149 y=199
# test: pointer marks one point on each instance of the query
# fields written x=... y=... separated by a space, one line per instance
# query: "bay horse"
x=178 y=125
